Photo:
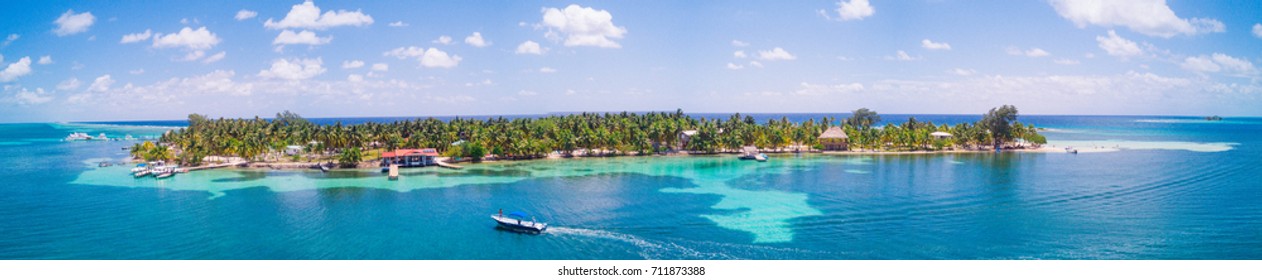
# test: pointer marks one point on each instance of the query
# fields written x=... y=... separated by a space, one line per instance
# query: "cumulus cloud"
x=45 y=60
x=215 y=57
x=354 y=78
x=1118 y=46
x=28 y=97
x=854 y=9
x=476 y=40
x=1218 y=62
x=530 y=47
x=15 y=70
x=308 y=16
x=69 y=84
x=962 y=72
x=71 y=23
x=246 y=14
x=1032 y=52
x=1257 y=30
x=547 y=70
x=1149 y=17
x=136 y=37
x=187 y=38
x=739 y=54
x=14 y=37
x=398 y=24
x=295 y=69
x=739 y=44
x=902 y=56
x=380 y=67
x=430 y=58
x=776 y=54
x=101 y=83
x=583 y=26
x=931 y=45
x=1066 y=61
x=734 y=66
x=301 y=38
x=352 y=64
x=445 y=40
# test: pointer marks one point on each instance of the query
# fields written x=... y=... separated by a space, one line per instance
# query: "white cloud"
x=45 y=60
x=188 y=38
x=476 y=40
x=530 y=47
x=70 y=84
x=136 y=37
x=547 y=70
x=382 y=67
x=71 y=23
x=1149 y=17
x=739 y=54
x=296 y=69
x=854 y=9
x=584 y=26
x=902 y=56
x=755 y=64
x=398 y=24
x=101 y=83
x=136 y=72
x=962 y=72
x=527 y=93
x=14 y=37
x=1257 y=30
x=193 y=55
x=15 y=70
x=445 y=40
x=355 y=78
x=352 y=64
x=307 y=16
x=27 y=97
x=246 y=14
x=739 y=44
x=1032 y=52
x=808 y=89
x=436 y=58
x=734 y=66
x=305 y=37
x=215 y=57
x=430 y=58
x=1066 y=61
x=1118 y=46
x=775 y=54
x=931 y=45
x=1218 y=62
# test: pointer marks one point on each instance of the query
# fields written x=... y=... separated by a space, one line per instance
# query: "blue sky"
x=133 y=60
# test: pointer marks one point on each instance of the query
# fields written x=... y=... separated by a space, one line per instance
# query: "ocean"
x=1161 y=188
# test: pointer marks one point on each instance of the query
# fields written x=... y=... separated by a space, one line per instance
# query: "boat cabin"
x=410 y=157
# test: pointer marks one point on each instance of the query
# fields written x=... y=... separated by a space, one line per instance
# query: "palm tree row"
x=589 y=134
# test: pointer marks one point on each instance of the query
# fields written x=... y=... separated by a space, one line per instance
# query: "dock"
x=213 y=166
x=394 y=172
x=448 y=165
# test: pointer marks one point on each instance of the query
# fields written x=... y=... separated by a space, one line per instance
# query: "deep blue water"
x=1169 y=202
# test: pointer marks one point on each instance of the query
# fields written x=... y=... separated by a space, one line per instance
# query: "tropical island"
x=289 y=140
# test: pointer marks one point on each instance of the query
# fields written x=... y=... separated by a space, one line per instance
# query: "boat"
x=140 y=167
x=1071 y=150
x=751 y=152
x=141 y=173
x=516 y=221
x=166 y=173
x=761 y=157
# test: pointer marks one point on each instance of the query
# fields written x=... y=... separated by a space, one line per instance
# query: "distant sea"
x=1171 y=188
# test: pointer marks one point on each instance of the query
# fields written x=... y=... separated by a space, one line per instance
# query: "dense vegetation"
x=581 y=134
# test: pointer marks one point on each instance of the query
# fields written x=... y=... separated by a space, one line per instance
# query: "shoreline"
x=558 y=156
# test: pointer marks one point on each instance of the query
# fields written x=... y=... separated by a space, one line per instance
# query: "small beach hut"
x=410 y=157
x=293 y=150
x=940 y=135
x=834 y=139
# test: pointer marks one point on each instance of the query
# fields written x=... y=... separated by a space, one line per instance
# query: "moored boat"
x=516 y=221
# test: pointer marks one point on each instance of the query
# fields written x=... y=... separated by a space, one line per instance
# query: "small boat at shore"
x=761 y=157
x=516 y=221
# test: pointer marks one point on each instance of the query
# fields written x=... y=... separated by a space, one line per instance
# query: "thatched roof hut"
x=834 y=139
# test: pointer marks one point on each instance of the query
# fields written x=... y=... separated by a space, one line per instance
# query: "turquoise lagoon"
x=1168 y=188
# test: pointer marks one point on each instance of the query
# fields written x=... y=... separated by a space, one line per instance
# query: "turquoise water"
x=1166 y=188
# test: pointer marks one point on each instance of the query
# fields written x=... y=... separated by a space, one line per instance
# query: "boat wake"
x=648 y=249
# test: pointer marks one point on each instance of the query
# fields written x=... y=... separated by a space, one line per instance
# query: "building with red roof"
x=410 y=157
